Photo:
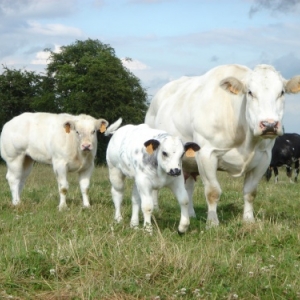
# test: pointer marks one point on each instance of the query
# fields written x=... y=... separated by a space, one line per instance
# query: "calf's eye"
x=250 y=93
x=165 y=154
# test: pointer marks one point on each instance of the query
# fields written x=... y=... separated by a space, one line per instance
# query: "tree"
x=89 y=78
x=18 y=90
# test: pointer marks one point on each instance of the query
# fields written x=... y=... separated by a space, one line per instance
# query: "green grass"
x=84 y=254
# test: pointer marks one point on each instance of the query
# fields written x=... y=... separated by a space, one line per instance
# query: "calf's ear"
x=151 y=145
x=293 y=85
x=102 y=125
x=232 y=85
x=69 y=125
x=190 y=148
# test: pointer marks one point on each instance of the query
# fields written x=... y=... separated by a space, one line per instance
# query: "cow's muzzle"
x=269 y=127
x=174 y=172
x=86 y=147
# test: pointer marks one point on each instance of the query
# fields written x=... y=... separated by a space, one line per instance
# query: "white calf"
x=153 y=158
x=67 y=142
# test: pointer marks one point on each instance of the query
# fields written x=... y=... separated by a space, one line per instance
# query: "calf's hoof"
x=212 y=220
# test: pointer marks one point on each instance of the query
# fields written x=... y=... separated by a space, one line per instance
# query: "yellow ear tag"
x=233 y=90
x=296 y=89
x=102 y=128
x=190 y=153
x=67 y=128
x=149 y=149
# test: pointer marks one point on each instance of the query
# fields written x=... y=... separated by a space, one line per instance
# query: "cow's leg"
x=145 y=190
x=136 y=205
x=189 y=186
x=182 y=196
x=117 y=178
x=269 y=173
x=276 y=174
x=289 y=173
x=84 y=182
x=251 y=181
x=60 y=171
x=296 y=170
x=17 y=172
x=155 y=200
x=207 y=164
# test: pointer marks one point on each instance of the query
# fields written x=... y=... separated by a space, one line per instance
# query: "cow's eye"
x=77 y=132
x=250 y=93
x=165 y=154
x=282 y=93
x=93 y=132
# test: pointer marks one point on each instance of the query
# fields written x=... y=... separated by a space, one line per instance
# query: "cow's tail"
x=113 y=127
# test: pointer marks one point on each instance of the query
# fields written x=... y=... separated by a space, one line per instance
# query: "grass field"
x=83 y=254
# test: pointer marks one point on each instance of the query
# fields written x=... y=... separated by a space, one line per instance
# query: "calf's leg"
x=17 y=173
x=60 y=171
x=84 y=182
x=136 y=205
x=117 y=178
x=181 y=194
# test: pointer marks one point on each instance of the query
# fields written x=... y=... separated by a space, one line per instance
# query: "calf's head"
x=264 y=90
x=169 y=152
x=85 y=129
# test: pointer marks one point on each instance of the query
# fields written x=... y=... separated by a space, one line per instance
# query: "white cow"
x=234 y=113
x=153 y=158
x=67 y=142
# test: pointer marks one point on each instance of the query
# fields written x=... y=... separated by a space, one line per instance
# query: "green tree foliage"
x=84 y=78
x=18 y=90
x=89 y=78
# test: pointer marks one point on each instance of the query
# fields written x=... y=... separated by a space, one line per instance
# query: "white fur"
x=127 y=156
x=223 y=112
x=43 y=137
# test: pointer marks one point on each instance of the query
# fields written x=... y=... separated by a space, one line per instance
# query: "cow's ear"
x=190 y=148
x=151 y=145
x=102 y=125
x=293 y=85
x=232 y=85
x=69 y=125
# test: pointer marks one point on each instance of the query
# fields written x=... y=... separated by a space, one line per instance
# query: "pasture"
x=84 y=254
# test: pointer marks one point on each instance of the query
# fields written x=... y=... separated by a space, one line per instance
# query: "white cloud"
x=42 y=57
x=133 y=64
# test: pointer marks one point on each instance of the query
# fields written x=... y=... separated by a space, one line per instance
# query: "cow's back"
x=198 y=104
x=37 y=135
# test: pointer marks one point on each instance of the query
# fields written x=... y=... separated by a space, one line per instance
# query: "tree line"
x=85 y=77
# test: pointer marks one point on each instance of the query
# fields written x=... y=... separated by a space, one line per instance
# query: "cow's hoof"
x=148 y=228
x=63 y=208
x=212 y=220
x=192 y=214
x=180 y=232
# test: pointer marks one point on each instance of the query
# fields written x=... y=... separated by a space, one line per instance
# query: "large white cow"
x=233 y=113
x=67 y=142
x=153 y=159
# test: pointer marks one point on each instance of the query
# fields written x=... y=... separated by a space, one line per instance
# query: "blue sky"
x=165 y=39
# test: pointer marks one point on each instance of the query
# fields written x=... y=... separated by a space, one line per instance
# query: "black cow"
x=286 y=152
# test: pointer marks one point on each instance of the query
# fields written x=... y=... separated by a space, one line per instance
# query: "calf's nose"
x=175 y=172
x=86 y=147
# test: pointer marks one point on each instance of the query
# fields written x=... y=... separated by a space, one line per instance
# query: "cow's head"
x=85 y=128
x=264 y=90
x=169 y=153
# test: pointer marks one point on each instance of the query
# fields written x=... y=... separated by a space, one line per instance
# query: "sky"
x=165 y=39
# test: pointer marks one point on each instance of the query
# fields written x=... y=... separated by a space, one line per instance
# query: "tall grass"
x=84 y=254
